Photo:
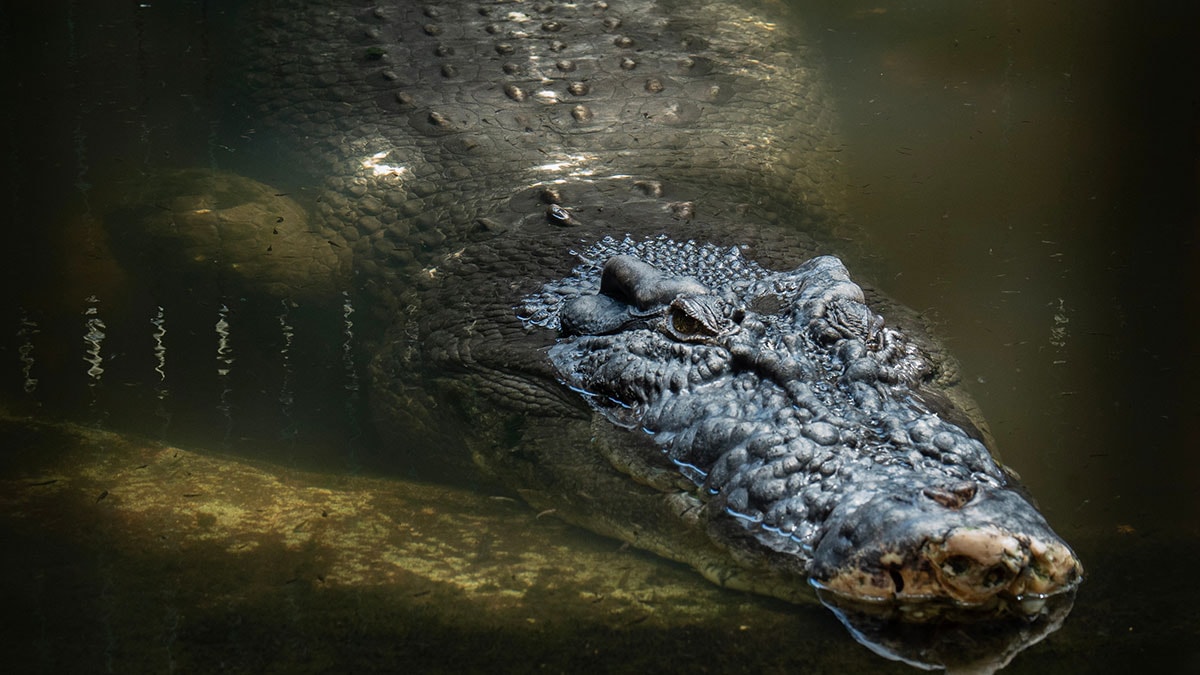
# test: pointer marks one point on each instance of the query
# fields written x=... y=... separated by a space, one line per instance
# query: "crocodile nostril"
x=954 y=496
x=996 y=575
x=961 y=569
x=957 y=565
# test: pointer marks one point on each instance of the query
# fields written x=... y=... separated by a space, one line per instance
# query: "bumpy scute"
x=806 y=429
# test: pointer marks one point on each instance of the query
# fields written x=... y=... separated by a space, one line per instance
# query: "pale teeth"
x=1032 y=605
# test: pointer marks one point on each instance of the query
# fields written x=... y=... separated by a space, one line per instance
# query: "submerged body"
x=565 y=219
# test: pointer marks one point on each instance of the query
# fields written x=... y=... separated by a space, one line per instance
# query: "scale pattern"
x=804 y=407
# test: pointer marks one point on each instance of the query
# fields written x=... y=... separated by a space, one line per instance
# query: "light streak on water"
x=348 y=344
x=28 y=329
x=1060 y=332
x=224 y=365
x=160 y=350
x=224 y=350
x=286 y=396
x=161 y=391
x=93 y=339
x=351 y=386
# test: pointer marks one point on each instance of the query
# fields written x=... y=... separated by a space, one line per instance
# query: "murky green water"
x=1025 y=174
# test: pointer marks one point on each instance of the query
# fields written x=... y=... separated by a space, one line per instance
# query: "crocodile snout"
x=947 y=546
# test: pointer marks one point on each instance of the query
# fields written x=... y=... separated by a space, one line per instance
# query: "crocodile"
x=566 y=221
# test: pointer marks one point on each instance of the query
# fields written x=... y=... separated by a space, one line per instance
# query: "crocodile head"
x=819 y=442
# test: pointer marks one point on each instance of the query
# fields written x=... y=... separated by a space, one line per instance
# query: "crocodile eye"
x=685 y=324
x=697 y=318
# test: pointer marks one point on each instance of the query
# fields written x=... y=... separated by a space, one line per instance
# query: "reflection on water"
x=286 y=398
x=25 y=334
x=189 y=375
x=93 y=340
x=955 y=641
x=224 y=365
x=160 y=350
x=1014 y=175
x=348 y=345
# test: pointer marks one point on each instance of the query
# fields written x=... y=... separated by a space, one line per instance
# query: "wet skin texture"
x=563 y=219
x=809 y=428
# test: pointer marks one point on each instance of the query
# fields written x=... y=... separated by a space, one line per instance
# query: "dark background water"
x=1025 y=173
x=1028 y=175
